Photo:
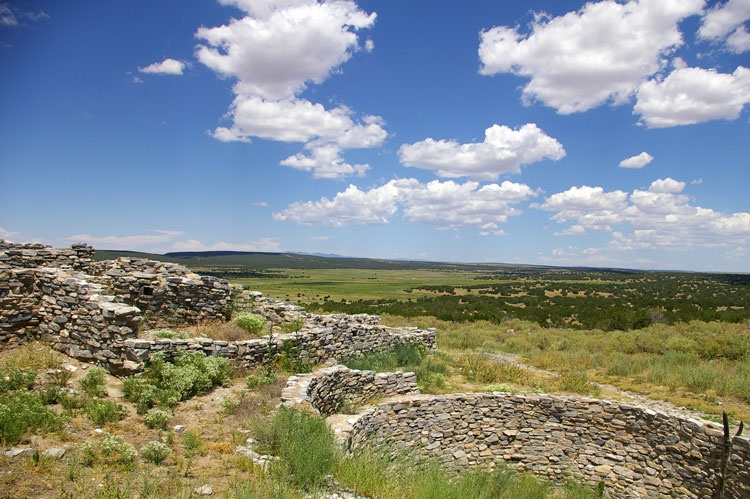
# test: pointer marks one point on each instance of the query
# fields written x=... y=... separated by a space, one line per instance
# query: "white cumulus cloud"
x=591 y=207
x=445 y=205
x=693 y=95
x=657 y=218
x=583 y=59
x=165 y=67
x=725 y=22
x=279 y=47
x=666 y=185
x=503 y=150
x=275 y=52
x=637 y=161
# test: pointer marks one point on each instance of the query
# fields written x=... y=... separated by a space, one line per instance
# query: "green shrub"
x=430 y=367
x=165 y=384
x=193 y=442
x=16 y=379
x=578 y=382
x=114 y=449
x=264 y=376
x=304 y=444
x=157 y=419
x=290 y=359
x=92 y=383
x=23 y=411
x=104 y=411
x=169 y=334
x=292 y=326
x=252 y=323
x=155 y=451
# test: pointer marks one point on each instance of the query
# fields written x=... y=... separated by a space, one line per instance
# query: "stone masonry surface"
x=636 y=451
x=166 y=293
x=96 y=316
x=329 y=388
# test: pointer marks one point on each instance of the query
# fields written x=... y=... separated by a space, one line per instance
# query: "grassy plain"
x=353 y=284
x=699 y=364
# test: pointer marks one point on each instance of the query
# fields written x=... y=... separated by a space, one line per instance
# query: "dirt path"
x=627 y=396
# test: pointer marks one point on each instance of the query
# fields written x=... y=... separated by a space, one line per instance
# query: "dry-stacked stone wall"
x=314 y=345
x=167 y=293
x=635 y=451
x=74 y=315
x=95 y=315
x=77 y=257
x=332 y=388
x=275 y=311
x=18 y=299
x=77 y=318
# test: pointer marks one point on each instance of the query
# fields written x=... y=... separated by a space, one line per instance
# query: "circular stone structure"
x=635 y=451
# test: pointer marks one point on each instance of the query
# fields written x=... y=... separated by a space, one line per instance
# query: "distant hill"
x=240 y=260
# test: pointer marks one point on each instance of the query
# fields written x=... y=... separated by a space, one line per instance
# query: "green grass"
x=22 y=412
x=104 y=411
x=431 y=368
x=92 y=383
x=308 y=453
x=351 y=284
x=304 y=444
x=165 y=383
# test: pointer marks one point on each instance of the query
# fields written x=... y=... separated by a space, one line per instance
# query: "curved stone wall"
x=328 y=389
x=637 y=452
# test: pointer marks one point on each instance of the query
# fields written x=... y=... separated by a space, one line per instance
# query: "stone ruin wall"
x=328 y=389
x=636 y=451
x=77 y=257
x=96 y=316
x=315 y=344
x=166 y=293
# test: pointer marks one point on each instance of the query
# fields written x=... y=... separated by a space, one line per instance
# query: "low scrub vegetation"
x=431 y=368
x=308 y=455
x=165 y=384
x=252 y=323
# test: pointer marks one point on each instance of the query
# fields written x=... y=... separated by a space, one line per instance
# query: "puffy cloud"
x=325 y=161
x=274 y=52
x=350 y=207
x=693 y=95
x=165 y=67
x=504 y=150
x=264 y=244
x=638 y=161
x=299 y=120
x=666 y=185
x=591 y=207
x=280 y=46
x=727 y=19
x=450 y=205
x=739 y=41
x=583 y=59
x=658 y=218
x=134 y=242
x=446 y=205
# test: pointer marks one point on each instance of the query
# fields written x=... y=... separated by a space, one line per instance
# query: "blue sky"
x=612 y=134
